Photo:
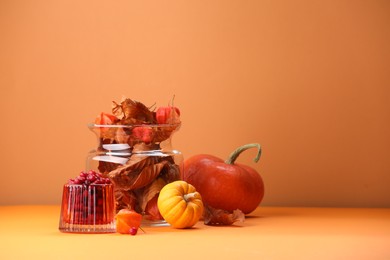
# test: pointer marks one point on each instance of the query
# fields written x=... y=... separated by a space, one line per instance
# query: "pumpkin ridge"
x=184 y=220
x=176 y=211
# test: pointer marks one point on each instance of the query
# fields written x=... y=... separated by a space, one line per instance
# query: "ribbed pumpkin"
x=180 y=204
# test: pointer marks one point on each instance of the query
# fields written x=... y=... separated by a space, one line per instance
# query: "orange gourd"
x=223 y=184
x=180 y=204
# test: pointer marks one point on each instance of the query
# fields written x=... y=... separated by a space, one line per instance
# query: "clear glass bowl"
x=87 y=208
x=139 y=160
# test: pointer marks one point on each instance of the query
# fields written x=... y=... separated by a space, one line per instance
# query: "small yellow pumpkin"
x=180 y=204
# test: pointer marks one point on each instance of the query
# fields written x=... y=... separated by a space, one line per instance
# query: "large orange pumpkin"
x=226 y=185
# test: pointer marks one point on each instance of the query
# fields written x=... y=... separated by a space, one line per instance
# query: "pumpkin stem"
x=189 y=196
x=234 y=155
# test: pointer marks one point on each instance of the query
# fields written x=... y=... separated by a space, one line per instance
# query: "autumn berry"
x=133 y=231
x=88 y=178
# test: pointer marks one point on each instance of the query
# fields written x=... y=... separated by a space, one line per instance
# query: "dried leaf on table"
x=219 y=217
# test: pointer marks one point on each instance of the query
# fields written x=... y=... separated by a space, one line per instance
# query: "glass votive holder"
x=87 y=208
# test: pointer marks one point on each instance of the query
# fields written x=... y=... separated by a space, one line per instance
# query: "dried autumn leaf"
x=108 y=134
x=147 y=175
x=152 y=212
x=137 y=172
x=150 y=191
x=163 y=133
x=106 y=167
x=140 y=147
x=132 y=112
x=219 y=217
x=121 y=136
x=125 y=200
x=171 y=171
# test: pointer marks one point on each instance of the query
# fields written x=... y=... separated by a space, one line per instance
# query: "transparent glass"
x=87 y=209
x=139 y=160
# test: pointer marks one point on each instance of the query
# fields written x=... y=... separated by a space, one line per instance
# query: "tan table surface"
x=29 y=232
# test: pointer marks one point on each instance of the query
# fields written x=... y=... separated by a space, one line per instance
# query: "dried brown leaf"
x=162 y=133
x=219 y=217
x=150 y=191
x=125 y=200
x=147 y=175
x=137 y=172
x=121 y=136
x=132 y=112
x=171 y=172
x=106 y=167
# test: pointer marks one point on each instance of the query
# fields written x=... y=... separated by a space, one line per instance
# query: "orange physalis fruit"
x=127 y=220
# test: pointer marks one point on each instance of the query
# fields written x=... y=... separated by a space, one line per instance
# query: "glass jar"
x=87 y=208
x=139 y=160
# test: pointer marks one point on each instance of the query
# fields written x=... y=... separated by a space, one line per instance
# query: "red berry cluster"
x=90 y=177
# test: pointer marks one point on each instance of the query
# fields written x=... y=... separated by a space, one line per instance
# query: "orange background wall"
x=309 y=80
